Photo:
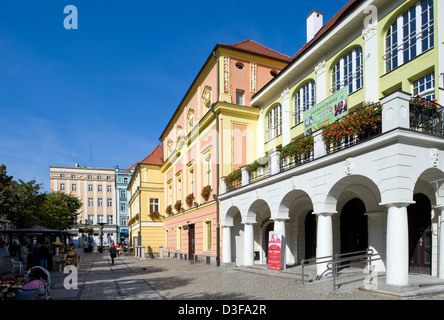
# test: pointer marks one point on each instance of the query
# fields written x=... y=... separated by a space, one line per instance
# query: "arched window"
x=274 y=119
x=410 y=35
x=348 y=72
x=304 y=99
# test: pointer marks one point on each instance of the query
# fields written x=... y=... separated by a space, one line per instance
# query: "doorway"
x=269 y=227
x=310 y=235
x=420 y=235
x=191 y=241
x=354 y=227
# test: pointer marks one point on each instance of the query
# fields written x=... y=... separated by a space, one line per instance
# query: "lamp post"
x=101 y=236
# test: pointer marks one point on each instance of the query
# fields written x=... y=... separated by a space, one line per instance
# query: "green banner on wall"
x=327 y=111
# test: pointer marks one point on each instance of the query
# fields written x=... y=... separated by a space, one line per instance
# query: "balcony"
x=363 y=124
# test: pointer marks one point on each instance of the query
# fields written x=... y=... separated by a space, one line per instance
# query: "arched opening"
x=354 y=227
x=310 y=235
x=269 y=227
x=420 y=235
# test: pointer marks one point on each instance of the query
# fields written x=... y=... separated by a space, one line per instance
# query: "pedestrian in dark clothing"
x=113 y=252
x=44 y=255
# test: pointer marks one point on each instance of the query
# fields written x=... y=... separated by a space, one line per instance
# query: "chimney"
x=315 y=21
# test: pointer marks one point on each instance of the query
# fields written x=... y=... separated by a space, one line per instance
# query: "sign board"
x=327 y=111
x=274 y=250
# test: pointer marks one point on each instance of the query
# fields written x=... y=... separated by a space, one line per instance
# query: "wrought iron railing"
x=426 y=116
x=293 y=162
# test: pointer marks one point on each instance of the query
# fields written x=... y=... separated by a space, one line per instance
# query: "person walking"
x=112 y=251
x=43 y=255
x=24 y=252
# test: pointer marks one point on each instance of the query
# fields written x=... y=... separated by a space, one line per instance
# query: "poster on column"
x=274 y=250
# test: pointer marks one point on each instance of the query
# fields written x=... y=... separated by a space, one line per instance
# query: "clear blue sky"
x=115 y=81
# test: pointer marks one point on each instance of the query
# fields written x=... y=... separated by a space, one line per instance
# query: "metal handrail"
x=335 y=260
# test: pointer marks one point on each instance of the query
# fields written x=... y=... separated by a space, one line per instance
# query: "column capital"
x=323 y=213
x=438 y=207
x=398 y=204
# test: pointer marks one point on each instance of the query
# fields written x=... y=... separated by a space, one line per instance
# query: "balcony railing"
x=362 y=125
x=426 y=116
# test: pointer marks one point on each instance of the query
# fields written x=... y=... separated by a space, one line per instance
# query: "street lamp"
x=101 y=236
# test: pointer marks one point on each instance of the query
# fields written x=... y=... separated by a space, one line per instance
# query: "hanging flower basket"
x=189 y=200
x=206 y=192
x=178 y=205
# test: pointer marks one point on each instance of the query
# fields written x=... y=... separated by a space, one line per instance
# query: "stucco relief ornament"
x=370 y=31
x=434 y=155
x=293 y=182
x=320 y=68
x=349 y=166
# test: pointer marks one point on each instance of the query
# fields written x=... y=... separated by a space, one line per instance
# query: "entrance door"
x=354 y=227
x=191 y=242
x=420 y=237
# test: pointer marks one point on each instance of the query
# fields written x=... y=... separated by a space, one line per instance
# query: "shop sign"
x=274 y=250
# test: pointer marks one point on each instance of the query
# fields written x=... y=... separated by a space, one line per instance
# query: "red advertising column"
x=274 y=251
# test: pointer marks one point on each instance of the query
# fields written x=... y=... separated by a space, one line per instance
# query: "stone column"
x=248 y=244
x=375 y=238
x=279 y=226
x=226 y=245
x=397 y=245
x=324 y=240
x=440 y=209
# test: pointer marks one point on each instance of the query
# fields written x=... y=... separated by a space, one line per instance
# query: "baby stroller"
x=37 y=288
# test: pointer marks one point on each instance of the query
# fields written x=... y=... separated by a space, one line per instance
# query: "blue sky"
x=114 y=83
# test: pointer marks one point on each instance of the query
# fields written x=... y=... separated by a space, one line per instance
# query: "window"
x=305 y=99
x=240 y=97
x=191 y=180
x=109 y=219
x=410 y=35
x=179 y=238
x=170 y=192
x=179 y=188
x=62 y=186
x=208 y=171
x=90 y=202
x=425 y=87
x=109 y=202
x=90 y=177
x=274 y=122
x=90 y=219
x=74 y=187
x=100 y=218
x=348 y=72
x=125 y=180
x=123 y=207
x=100 y=202
x=90 y=187
x=62 y=176
x=73 y=176
x=108 y=178
x=208 y=235
x=154 y=205
x=123 y=221
x=99 y=177
x=99 y=188
x=123 y=194
x=108 y=188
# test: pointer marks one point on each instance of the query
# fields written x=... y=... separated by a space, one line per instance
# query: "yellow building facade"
x=146 y=198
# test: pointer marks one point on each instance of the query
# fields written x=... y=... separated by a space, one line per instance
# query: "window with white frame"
x=90 y=187
x=108 y=188
x=274 y=119
x=123 y=207
x=109 y=219
x=208 y=170
x=191 y=180
x=74 y=187
x=348 y=71
x=90 y=202
x=62 y=186
x=425 y=86
x=90 y=219
x=410 y=35
x=100 y=202
x=123 y=194
x=99 y=188
x=208 y=235
x=179 y=238
x=154 y=205
x=123 y=221
x=304 y=99
x=100 y=218
x=109 y=202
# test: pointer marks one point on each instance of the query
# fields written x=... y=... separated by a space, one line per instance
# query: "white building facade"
x=381 y=190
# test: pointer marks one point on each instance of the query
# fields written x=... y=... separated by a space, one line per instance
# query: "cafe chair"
x=16 y=265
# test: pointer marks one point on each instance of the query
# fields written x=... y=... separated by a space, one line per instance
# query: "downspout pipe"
x=217 y=186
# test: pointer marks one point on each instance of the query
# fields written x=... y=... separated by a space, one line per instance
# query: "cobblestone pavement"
x=171 y=279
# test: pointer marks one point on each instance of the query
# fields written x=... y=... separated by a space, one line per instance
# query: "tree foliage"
x=25 y=206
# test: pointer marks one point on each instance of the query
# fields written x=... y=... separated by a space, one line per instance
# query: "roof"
x=254 y=47
x=155 y=158
x=326 y=28
x=247 y=46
